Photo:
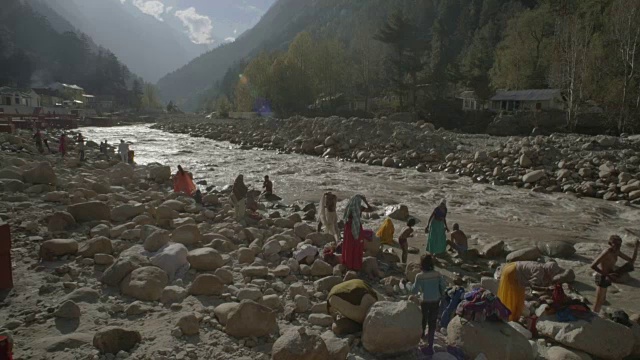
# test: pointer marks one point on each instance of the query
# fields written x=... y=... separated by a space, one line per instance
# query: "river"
x=487 y=213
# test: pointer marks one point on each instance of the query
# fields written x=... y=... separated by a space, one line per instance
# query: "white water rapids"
x=486 y=213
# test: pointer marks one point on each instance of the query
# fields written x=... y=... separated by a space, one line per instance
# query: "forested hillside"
x=422 y=53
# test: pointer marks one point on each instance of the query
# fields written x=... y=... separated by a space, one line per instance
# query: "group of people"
x=515 y=277
x=41 y=141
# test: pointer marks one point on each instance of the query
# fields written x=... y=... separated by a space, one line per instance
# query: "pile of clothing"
x=567 y=309
x=480 y=305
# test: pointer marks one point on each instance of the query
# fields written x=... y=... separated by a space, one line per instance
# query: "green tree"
x=137 y=93
x=367 y=64
x=150 y=98
x=400 y=34
x=223 y=106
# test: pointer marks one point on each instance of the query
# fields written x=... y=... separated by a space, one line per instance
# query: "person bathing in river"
x=328 y=216
x=519 y=275
x=353 y=244
x=123 y=150
x=459 y=241
x=268 y=194
x=183 y=182
x=403 y=239
x=604 y=266
x=436 y=228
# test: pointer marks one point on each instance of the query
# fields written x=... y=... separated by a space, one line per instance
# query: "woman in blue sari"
x=437 y=229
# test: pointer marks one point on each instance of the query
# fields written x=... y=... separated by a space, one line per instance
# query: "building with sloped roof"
x=528 y=100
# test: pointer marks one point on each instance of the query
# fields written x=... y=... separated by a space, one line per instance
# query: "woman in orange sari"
x=183 y=182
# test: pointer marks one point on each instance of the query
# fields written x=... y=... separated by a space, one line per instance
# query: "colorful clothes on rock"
x=480 y=305
x=385 y=232
x=352 y=247
x=449 y=304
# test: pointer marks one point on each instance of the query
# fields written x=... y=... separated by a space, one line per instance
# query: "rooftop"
x=526 y=95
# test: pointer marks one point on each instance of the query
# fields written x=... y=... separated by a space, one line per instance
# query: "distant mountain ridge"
x=149 y=47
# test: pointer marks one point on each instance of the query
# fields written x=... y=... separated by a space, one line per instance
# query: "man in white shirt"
x=123 y=149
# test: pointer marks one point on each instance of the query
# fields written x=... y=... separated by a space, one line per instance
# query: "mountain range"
x=154 y=37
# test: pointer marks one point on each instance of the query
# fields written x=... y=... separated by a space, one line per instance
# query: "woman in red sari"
x=183 y=182
x=63 y=145
x=353 y=243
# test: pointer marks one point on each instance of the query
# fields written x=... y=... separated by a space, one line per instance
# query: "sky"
x=204 y=21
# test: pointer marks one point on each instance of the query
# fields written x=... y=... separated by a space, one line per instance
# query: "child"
x=432 y=286
x=403 y=239
x=604 y=266
x=458 y=240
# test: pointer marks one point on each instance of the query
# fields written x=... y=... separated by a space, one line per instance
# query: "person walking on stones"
x=606 y=273
x=432 y=286
x=239 y=198
x=123 y=150
x=62 y=148
x=437 y=228
x=38 y=139
x=519 y=275
x=353 y=244
x=328 y=216
x=81 y=147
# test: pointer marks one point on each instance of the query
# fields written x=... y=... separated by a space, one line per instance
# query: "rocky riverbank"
x=602 y=167
x=109 y=263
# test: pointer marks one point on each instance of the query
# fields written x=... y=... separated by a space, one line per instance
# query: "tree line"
x=427 y=52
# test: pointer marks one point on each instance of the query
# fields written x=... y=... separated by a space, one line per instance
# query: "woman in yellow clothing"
x=385 y=232
x=517 y=276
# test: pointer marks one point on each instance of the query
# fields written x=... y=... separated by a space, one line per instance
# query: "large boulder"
x=51 y=249
x=60 y=221
x=302 y=230
x=338 y=348
x=326 y=283
x=601 y=338
x=98 y=245
x=111 y=340
x=173 y=294
x=68 y=310
x=90 y=211
x=528 y=254
x=296 y=344
x=222 y=311
x=40 y=174
x=159 y=173
x=397 y=212
x=321 y=268
x=320 y=239
x=496 y=340
x=556 y=249
x=172 y=259
x=187 y=234
x=207 y=284
x=10 y=174
x=250 y=319
x=533 y=176
x=114 y=274
x=205 y=259
x=493 y=250
x=189 y=324
x=392 y=327
x=156 y=240
x=561 y=353
x=126 y=212
x=145 y=283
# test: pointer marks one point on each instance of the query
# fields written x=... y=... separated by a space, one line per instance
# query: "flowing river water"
x=486 y=213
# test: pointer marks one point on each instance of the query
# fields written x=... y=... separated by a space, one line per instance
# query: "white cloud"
x=199 y=26
x=150 y=7
x=230 y=39
x=168 y=9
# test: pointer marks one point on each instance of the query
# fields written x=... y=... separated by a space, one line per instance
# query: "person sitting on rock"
x=183 y=182
x=431 y=285
x=267 y=185
x=604 y=266
x=351 y=299
x=517 y=276
x=458 y=242
x=403 y=239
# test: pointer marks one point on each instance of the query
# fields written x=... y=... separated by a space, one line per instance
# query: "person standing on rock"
x=519 y=275
x=604 y=266
x=437 y=229
x=62 y=148
x=81 y=147
x=123 y=150
x=431 y=285
x=183 y=182
x=403 y=239
x=328 y=216
x=38 y=138
x=239 y=198
x=353 y=243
